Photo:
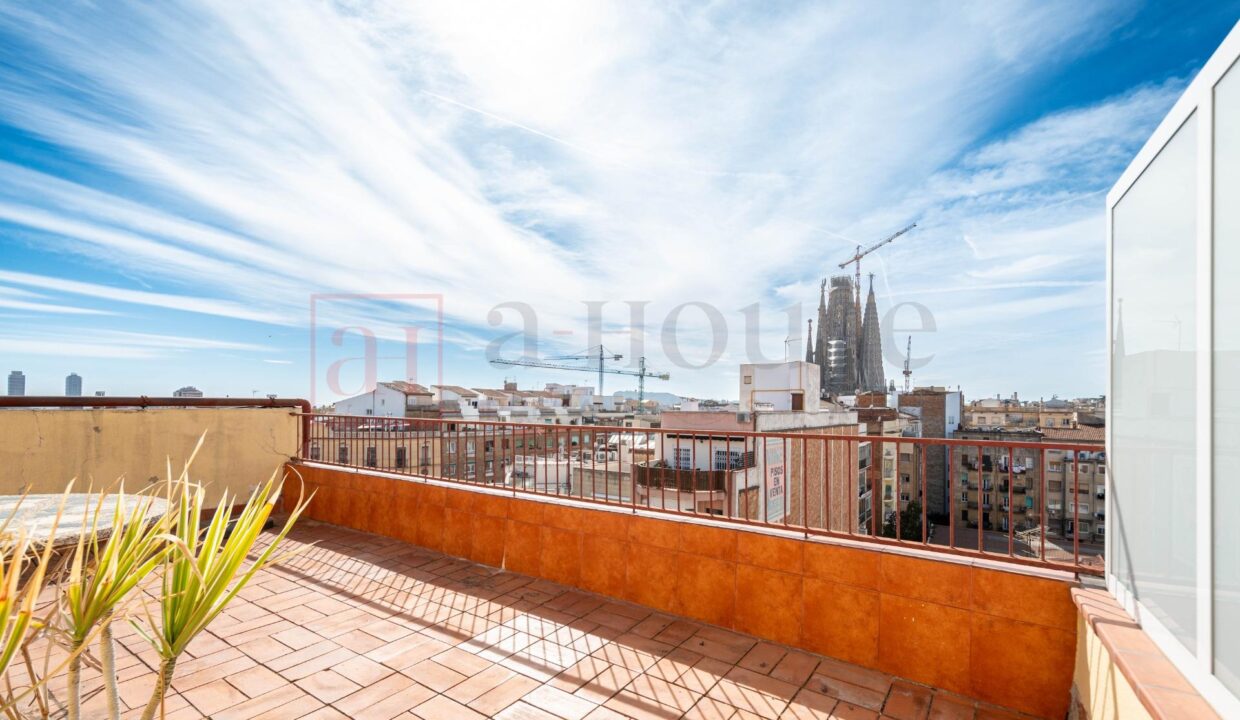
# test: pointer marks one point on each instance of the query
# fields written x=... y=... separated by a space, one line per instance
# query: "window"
x=372 y=457
x=451 y=447
x=469 y=447
x=1153 y=399
x=683 y=458
x=342 y=454
x=490 y=467
x=400 y=457
x=731 y=459
x=450 y=470
x=314 y=451
x=1226 y=391
x=469 y=470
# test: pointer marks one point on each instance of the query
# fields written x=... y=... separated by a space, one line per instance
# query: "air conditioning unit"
x=742 y=417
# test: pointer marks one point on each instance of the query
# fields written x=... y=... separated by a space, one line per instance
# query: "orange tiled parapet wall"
x=1004 y=637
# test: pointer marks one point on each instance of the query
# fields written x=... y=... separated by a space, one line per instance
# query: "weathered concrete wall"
x=46 y=448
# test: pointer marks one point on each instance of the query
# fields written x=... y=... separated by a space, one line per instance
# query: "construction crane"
x=600 y=355
x=856 y=259
x=908 y=374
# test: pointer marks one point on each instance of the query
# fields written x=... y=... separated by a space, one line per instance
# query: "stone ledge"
x=1157 y=683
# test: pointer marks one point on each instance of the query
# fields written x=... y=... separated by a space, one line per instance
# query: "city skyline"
x=155 y=235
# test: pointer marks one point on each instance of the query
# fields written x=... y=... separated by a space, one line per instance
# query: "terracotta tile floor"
x=361 y=626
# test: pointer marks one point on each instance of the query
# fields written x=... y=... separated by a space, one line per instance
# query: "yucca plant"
x=19 y=592
x=206 y=568
x=102 y=575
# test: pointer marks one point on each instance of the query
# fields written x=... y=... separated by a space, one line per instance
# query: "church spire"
x=871 y=347
x=809 y=342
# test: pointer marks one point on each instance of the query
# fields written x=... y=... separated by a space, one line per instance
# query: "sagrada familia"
x=847 y=365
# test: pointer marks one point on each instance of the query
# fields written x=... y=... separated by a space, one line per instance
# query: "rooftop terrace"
x=422 y=594
x=362 y=626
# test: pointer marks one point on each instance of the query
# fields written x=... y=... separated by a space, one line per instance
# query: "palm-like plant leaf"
x=206 y=567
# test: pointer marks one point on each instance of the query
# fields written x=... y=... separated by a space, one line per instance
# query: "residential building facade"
x=940 y=412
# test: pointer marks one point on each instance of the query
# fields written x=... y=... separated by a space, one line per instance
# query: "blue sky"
x=180 y=182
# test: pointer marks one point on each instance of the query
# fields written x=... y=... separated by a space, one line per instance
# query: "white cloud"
x=551 y=153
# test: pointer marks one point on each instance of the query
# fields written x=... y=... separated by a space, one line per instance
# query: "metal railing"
x=806 y=481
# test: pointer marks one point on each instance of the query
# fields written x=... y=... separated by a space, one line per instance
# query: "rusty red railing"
x=998 y=499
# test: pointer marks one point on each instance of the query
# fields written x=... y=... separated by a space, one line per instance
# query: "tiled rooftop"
x=362 y=626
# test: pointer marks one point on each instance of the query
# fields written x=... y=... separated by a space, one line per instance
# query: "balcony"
x=684 y=480
x=444 y=598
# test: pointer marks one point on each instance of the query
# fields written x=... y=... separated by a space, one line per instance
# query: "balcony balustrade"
x=726 y=570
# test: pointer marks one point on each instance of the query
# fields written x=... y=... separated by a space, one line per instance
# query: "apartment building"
x=941 y=412
x=388 y=399
x=707 y=464
x=896 y=472
x=1000 y=413
x=1076 y=484
x=988 y=480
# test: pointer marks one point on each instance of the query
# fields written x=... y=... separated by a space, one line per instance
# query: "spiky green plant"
x=102 y=575
x=206 y=568
x=18 y=597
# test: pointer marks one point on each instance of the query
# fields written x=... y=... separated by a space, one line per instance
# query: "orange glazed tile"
x=945 y=583
x=840 y=564
x=434 y=495
x=603 y=565
x=407 y=520
x=563 y=517
x=430 y=526
x=522 y=547
x=1022 y=597
x=654 y=532
x=406 y=489
x=459 y=499
x=603 y=523
x=651 y=577
x=768 y=604
x=488 y=544
x=490 y=504
x=528 y=511
x=458 y=532
x=773 y=553
x=841 y=621
x=353 y=511
x=910 y=631
x=385 y=518
x=705 y=589
x=561 y=555
x=712 y=542
x=1022 y=666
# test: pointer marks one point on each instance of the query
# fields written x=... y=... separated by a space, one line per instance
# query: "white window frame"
x=1197 y=98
